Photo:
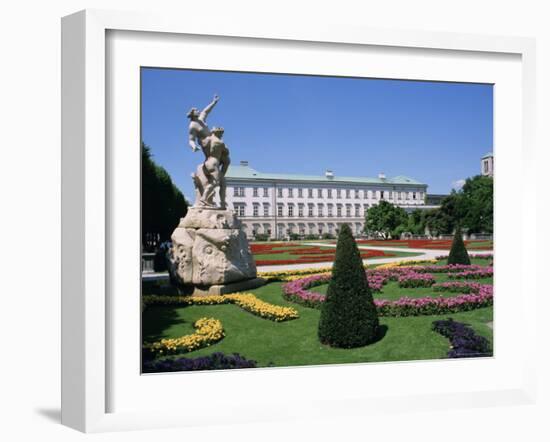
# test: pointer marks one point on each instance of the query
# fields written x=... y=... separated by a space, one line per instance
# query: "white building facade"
x=487 y=164
x=279 y=205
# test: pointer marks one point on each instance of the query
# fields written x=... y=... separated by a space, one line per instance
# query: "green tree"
x=384 y=219
x=162 y=204
x=458 y=253
x=453 y=210
x=437 y=221
x=471 y=206
x=348 y=316
x=478 y=201
x=416 y=223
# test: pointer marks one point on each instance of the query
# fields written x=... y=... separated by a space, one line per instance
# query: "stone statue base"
x=210 y=253
x=224 y=289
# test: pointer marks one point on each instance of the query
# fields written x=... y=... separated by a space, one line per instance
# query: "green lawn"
x=295 y=342
x=488 y=244
x=393 y=292
x=478 y=261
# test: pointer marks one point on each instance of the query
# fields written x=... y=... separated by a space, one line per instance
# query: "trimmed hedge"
x=261 y=237
x=458 y=253
x=348 y=316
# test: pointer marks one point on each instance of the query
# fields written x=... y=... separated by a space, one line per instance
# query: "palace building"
x=282 y=204
x=487 y=164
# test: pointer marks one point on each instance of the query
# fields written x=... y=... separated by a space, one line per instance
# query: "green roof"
x=487 y=155
x=246 y=172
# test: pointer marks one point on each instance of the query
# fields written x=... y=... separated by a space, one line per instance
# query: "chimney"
x=329 y=174
x=244 y=163
x=382 y=175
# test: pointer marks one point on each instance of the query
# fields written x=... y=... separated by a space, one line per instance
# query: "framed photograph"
x=270 y=219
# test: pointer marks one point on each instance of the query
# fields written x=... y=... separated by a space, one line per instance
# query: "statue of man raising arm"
x=198 y=129
x=210 y=175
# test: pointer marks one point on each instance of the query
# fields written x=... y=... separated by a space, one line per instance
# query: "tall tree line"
x=162 y=203
x=471 y=208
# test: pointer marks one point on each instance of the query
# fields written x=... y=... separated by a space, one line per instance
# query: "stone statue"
x=209 y=175
x=198 y=129
x=210 y=252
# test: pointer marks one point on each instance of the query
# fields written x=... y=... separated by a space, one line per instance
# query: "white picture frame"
x=87 y=214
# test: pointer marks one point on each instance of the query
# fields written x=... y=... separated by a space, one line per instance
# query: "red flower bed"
x=325 y=257
x=266 y=249
x=303 y=253
x=313 y=251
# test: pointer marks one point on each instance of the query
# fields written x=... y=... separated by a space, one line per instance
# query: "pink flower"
x=471 y=295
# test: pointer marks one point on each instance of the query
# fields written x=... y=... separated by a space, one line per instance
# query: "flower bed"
x=435 y=306
x=208 y=331
x=487 y=256
x=407 y=263
x=289 y=275
x=274 y=248
x=435 y=244
x=304 y=253
x=464 y=341
x=316 y=254
x=215 y=361
x=247 y=301
x=297 y=290
x=451 y=268
x=312 y=251
x=411 y=279
x=457 y=287
x=483 y=272
x=473 y=295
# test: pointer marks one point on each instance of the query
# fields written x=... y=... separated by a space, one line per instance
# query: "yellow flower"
x=406 y=263
x=246 y=301
x=208 y=331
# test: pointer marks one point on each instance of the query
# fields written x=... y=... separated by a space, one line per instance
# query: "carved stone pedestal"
x=210 y=253
x=224 y=289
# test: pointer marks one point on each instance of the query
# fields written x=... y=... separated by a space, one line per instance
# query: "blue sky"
x=431 y=131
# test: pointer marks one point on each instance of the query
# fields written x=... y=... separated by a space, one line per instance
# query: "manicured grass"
x=480 y=244
x=295 y=342
x=393 y=292
x=478 y=261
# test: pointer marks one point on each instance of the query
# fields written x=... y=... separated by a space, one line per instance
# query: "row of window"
x=300 y=210
x=329 y=193
x=302 y=229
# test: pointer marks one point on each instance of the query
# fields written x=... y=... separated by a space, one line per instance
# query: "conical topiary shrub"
x=348 y=316
x=458 y=253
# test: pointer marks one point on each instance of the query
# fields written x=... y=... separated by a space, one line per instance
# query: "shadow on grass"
x=156 y=319
x=382 y=331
